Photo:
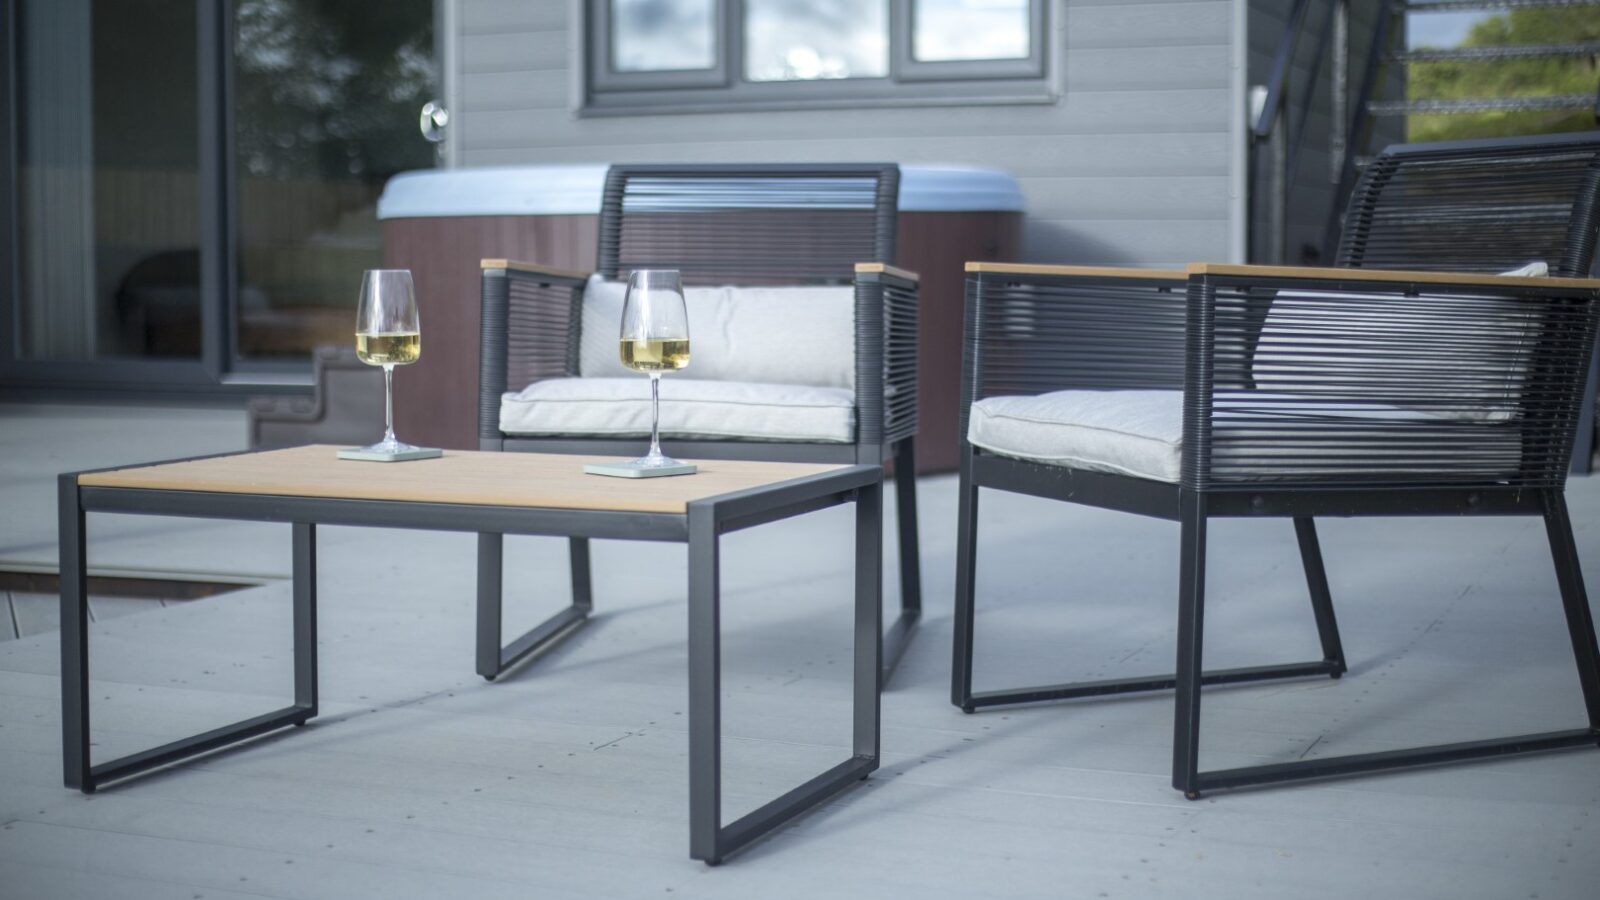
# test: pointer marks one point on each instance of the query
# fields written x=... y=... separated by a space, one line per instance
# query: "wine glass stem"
x=388 y=404
x=655 y=416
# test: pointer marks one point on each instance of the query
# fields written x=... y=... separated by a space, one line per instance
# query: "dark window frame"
x=724 y=88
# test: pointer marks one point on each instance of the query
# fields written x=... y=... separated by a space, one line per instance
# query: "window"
x=715 y=54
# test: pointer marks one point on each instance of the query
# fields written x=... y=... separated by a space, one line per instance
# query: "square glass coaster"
x=362 y=453
x=629 y=470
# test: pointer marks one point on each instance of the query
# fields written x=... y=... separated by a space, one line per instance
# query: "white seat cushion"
x=722 y=410
x=765 y=335
x=1138 y=433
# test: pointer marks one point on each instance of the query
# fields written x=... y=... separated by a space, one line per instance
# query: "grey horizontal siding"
x=1094 y=113
x=1128 y=166
x=1161 y=24
x=515 y=51
x=492 y=16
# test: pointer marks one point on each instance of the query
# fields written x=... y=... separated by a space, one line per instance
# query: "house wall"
x=1129 y=166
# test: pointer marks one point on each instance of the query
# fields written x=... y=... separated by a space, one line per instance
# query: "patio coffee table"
x=493 y=494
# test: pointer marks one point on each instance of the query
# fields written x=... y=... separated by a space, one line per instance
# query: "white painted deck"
x=568 y=778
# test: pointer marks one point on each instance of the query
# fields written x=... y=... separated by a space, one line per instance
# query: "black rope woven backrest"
x=1478 y=206
x=1370 y=384
x=749 y=224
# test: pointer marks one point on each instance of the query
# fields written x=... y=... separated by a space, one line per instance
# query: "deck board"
x=35 y=613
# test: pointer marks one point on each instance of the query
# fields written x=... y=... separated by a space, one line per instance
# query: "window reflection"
x=107 y=182
x=951 y=30
x=809 y=40
x=662 y=35
x=326 y=98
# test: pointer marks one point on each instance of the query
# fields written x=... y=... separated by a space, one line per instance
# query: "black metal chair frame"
x=1199 y=333
x=532 y=316
x=1485 y=206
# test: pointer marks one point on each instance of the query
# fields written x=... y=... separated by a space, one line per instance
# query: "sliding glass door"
x=107 y=185
x=194 y=182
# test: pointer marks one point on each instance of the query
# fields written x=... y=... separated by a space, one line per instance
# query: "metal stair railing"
x=1480 y=104
x=1510 y=51
x=1350 y=150
x=1469 y=5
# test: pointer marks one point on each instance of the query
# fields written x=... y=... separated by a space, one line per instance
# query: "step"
x=1481 y=104
x=1425 y=6
x=1518 y=51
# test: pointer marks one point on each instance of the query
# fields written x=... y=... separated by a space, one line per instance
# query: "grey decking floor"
x=26 y=613
x=567 y=779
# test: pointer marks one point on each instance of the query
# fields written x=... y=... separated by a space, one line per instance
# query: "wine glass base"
x=645 y=467
x=390 y=453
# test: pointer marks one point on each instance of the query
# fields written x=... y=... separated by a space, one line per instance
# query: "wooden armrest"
x=1392 y=276
x=876 y=268
x=533 y=268
x=1084 y=271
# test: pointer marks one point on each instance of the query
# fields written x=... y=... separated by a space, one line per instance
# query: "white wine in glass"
x=388 y=334
x=655 y=355
x=399 y=349
x=655 y=339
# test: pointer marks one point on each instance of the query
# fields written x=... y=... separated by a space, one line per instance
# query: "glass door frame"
x=219 y=370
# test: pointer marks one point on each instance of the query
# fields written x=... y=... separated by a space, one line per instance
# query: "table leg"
x=705 y=687
x=493 y=658
x=305 y=617
x=709 y=839
x=74 y=639
x=78 y=769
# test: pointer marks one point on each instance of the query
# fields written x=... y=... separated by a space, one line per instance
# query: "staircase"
x=1535 y=71
x=1482 y=58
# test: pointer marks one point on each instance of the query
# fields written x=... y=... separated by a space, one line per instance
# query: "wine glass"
x=388 y=334
x=655 y=339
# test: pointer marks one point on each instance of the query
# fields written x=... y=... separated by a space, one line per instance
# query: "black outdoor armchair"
x=1243 y=391
x=809 y=247
x=1483 y=206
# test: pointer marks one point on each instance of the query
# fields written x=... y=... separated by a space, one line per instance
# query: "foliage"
x=1529 y=77
x=330 y=88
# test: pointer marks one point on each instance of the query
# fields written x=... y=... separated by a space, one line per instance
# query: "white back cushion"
x=769 y=335
x=1303 y=342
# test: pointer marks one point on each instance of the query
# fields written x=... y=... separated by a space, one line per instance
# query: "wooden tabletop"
x=460 y=476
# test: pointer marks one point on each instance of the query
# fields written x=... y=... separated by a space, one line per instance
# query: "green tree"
x=1524 y=77
x=331 y=88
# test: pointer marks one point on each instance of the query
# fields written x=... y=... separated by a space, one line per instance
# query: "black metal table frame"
x=701 y=527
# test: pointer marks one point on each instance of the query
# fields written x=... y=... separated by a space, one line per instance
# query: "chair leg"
x=1580 y=622
x=1191 y=629
x=582 y=574
x=1305 y=530
x=905 y=495
x=966 y=584
x=898 y=637
x=1583 y=447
